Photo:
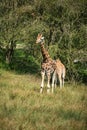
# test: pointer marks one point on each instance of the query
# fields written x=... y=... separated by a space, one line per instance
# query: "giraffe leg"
x=53 y=81
x=42 y=82
x=48 y=84
x=63 y=76
x=60 y=80
x=63 y=82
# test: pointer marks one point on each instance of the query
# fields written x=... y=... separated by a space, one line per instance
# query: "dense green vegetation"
x=22 y=107
x=62 y=22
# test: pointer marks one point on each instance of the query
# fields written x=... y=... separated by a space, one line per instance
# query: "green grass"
x=22 y=107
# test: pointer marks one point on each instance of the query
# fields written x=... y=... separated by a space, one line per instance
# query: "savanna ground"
x=22 y=107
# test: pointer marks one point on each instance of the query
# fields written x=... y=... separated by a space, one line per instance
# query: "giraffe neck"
x=45 y=54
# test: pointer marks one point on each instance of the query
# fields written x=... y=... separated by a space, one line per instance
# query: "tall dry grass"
x=22 y=107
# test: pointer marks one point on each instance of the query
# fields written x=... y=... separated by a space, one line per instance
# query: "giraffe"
x=59 y=72
x=50 y=67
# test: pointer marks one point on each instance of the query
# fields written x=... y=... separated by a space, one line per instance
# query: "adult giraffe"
x=48 y=66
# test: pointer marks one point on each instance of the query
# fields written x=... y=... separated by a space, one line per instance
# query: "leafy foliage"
x=63 y=23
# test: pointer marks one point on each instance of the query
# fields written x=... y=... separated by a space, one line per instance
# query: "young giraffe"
x=60 y=73
x=48 y=66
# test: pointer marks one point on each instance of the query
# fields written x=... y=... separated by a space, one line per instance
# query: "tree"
x=63 y=23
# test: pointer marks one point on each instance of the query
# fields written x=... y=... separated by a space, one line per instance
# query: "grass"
x=22 y=107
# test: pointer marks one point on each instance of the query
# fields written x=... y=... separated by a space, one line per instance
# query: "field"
x=22 y=107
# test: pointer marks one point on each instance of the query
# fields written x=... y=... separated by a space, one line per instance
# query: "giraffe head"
x=40 y=38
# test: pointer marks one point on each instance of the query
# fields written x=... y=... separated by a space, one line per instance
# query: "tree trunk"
x=9 y=52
